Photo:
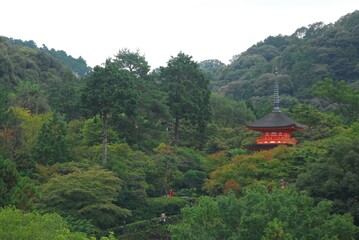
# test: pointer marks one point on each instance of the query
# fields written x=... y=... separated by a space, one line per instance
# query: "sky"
x=159 y=29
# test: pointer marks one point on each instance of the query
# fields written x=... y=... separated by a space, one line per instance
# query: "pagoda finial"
x=276 y=92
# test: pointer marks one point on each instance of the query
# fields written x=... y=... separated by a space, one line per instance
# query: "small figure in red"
x=171 y=193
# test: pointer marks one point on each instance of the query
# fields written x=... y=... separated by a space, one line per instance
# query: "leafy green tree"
x=176 y=168
x=188 y=92
x=9 y=177
x=85 y=194
x=75 y=134
x=342 y=95
x=133 y=62
x=92 y=130
x=211 y=65
x=265 y=167
x=31 y=96
x=261 y=106
x=79 y=225
x=25 y=194
x=152 y=115
x=64 y=94
x=210 y=68
x=320 y=124
x=22 y=133
x=109 y=90
x=167 y=170
x=259 y=214
x=194 y=179
x=334 y=175
x=145 y=129
x=20 y=42
x=229 y=113
x=51 y=146
x=4 y=105
x=226 y=138
x=132 y=167
x=15 y=224
x=278 y=41
x=263 y=85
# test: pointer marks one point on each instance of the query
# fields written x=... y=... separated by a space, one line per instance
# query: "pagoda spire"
x=276 y=92
x=276 y=127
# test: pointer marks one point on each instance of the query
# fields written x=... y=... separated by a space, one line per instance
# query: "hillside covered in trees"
x=310 y=54
x=93 y=153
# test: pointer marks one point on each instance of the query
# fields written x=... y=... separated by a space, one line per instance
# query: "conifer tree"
x=109 y=90
x=51 y=146
x=188 y=92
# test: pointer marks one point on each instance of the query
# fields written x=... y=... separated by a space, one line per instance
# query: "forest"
x=123 y=151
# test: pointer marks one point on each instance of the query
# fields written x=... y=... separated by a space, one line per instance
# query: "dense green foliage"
x=78 y=66
x=265 y=167
x=188 y=97
x=39 y=81
x=108 y=91
x=335 y=173
x=344 y=98
x=8 y=179
x=310 y=54
x=17 y=225
x=85 y=194
x=259 y=214
x=86 y=153
x=51 y=146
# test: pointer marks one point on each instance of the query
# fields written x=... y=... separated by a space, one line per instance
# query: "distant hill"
x=310 y=54
x=38 y=80
x=78 y=66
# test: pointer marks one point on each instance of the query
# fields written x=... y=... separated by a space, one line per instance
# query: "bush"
x=22 y=226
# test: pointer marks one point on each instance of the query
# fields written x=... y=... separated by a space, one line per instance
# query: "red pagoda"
x=275 y=127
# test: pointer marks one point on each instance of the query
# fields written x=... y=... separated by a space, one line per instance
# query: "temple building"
x=276 y=127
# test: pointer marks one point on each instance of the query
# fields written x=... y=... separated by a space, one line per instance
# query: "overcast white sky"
x=204 y=29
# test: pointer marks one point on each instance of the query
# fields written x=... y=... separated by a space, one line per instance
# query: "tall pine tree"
x=188 y=92
x=109 y=90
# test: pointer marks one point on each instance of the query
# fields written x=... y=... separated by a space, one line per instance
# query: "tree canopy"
x=173 y=142
x=109 y=91
x=188 y=92
x=259 y=214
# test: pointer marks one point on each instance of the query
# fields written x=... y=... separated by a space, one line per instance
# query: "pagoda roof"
x=275 y=120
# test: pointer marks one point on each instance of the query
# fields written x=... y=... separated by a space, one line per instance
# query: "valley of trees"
x=93 y=153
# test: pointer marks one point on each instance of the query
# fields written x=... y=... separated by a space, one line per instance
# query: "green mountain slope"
x=310 y=54
x=78 y=66
x=39 y=81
